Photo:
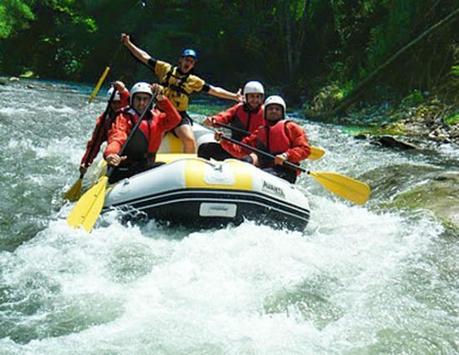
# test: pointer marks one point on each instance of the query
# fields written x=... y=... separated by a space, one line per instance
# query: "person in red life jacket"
x=244 y=117
x=180 y=83
x=140 y=153
x=280 y=137
x=103 y=124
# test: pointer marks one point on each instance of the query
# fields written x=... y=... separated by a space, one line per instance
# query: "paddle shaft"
x=316 y=152
x=111 y=169
x=104 y=117
x=262 y=152
x=235 y=129
x=344 y=186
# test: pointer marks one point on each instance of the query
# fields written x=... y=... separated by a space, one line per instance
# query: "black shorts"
x=186 y=119
x=283 y=172
x=213 y=150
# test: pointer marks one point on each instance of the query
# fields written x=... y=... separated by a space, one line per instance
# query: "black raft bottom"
x=202 y=210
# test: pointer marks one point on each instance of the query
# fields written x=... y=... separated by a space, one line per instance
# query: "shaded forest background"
x=296 y=46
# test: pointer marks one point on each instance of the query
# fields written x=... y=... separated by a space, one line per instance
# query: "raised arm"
x=140 y=54
x=225 y=94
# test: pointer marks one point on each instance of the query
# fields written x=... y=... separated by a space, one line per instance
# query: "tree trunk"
x=288 y=39
x=301 y=30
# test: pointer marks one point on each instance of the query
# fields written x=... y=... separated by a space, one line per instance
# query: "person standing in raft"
x=282 y=138
x=245 y=117
x=104 y=123
x=140 y=153
x=180 y=83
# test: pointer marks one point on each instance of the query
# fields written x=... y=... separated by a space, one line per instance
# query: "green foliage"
x=413 y=99
x=375 y=130
x=298 y=45
x=453 y=119
x=15 y=15
x=395 y=29
x=55 y=44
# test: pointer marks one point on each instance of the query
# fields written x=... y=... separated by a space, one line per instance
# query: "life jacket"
x=107 y=124
x=273 y=140
x=138 y=148
x=247 y=120
x=176 y=89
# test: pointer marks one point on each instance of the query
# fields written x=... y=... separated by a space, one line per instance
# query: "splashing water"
x=358 y=280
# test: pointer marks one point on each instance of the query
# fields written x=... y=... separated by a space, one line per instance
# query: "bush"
x=452 y=120
x=414 y=98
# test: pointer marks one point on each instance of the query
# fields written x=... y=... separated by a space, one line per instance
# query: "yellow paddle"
x=88 y=207
x=103 y=76
x=98 y=84
x=74 y=192
x=316 y=152
x=346 y=187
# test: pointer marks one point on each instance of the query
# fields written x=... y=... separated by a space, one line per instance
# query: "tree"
x=15 y=15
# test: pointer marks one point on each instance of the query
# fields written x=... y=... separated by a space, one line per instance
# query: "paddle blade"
x=346 y=187
x=316 y=153
x=74 y=192
x=87 y=209
x=99 y=84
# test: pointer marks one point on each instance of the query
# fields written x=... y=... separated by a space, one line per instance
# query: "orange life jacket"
x=147 y=139
x=247 y=120
x=273 y=140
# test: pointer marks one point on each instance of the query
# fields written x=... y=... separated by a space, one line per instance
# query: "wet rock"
x=440 y=194
x=439 y=134
x=454 y=132
x=408 y=186
x=361 y=136
x=392 y=142
x=14 y=79
x=388 y=182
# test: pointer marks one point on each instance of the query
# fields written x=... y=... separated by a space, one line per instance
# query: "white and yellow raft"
x=192 y=191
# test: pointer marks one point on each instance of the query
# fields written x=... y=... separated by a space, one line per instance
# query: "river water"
x=358 y=280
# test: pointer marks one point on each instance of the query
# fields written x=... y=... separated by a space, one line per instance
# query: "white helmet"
x=142 y=87
x=254 y=87
x=110 y=92
x=276 y=100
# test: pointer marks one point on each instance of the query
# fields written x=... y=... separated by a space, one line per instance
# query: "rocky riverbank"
x=420 y=122
x=418 y=117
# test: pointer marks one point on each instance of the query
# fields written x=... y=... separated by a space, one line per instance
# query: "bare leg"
x=186 y=135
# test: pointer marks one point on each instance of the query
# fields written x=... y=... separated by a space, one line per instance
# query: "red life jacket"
x=273 y=140
x=146 y=140
x=109 y=119
x=99 y=136
x=247 y=120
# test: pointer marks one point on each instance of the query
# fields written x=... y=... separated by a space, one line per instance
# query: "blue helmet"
x=190 y=53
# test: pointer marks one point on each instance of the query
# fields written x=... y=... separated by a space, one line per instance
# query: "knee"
x=188 y=138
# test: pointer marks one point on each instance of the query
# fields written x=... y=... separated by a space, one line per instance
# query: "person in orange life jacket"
x=103 y=124
x=280 y=137
x=180 y=83
x=140 y=153
x=246 y=116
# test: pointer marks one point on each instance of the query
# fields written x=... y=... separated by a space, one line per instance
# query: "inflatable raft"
x=191 y=191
